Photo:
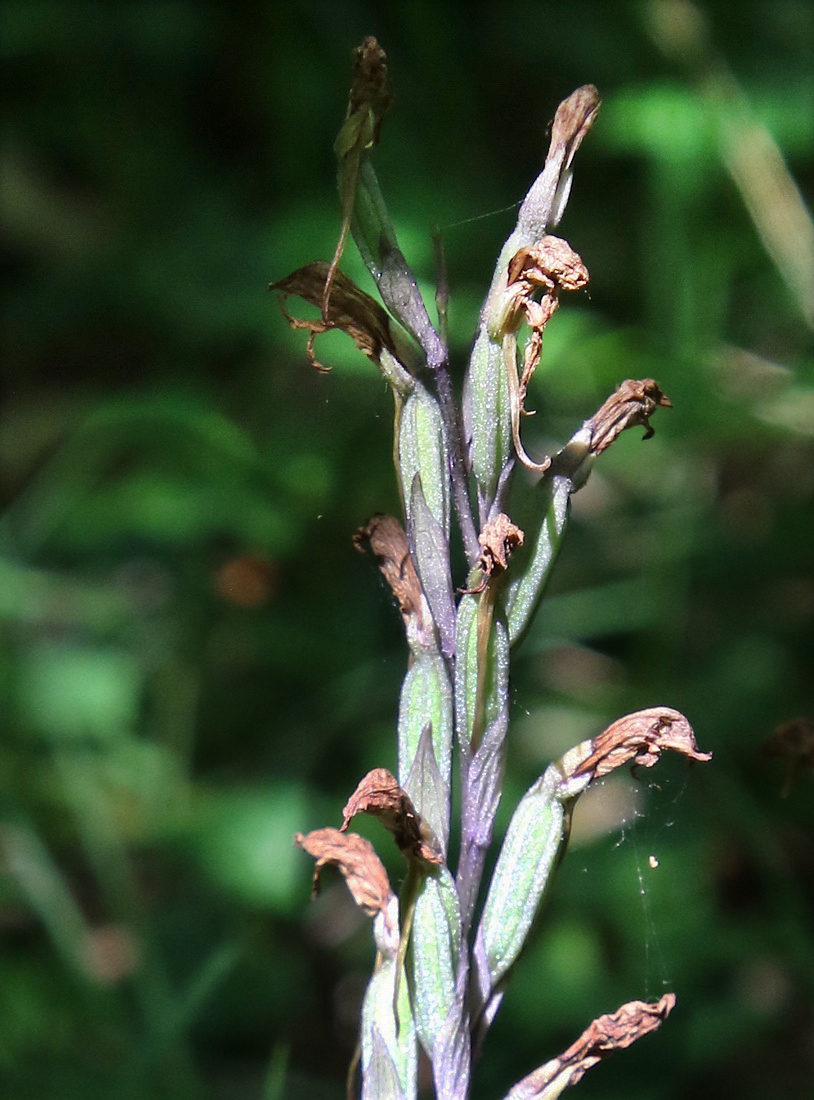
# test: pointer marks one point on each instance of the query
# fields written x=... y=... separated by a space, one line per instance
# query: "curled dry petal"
x=380 y=795
x=386 y=540
x=536 y=275
x=357 y=861
x=349 y=309
x=613 y=1031
x=641 y=738
x=573 y=120
x=551 y=263
x=498 y=539
x=633 y=403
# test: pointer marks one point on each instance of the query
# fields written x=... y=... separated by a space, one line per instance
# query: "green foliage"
x=193 y=661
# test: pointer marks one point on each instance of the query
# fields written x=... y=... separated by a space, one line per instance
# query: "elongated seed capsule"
x=532 y=563
x=433 y=958
x=534 y=841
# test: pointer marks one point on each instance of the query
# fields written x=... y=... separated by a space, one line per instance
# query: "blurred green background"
x=194 y=662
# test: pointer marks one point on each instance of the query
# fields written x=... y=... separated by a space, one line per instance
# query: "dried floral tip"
x=551 y=263
x=613 y=1031
x=385 y=538
x=633 y=403
x=380 y=795
x=371 y=89
x=545 y=203
x=370 y=96
x=536 y=275
x=574 y=118
x=499 y=538
x=350 y=310
x=357 y=861
x=641 y=738
x=794 y=742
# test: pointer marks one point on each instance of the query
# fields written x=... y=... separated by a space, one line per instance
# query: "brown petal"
x=640 y=737
x=385 y=538
x=633 y=402
x=349 y=309
x=380 y=795
x=549 y=263
x=499 y=538
x=607 y=1033
x=573 y=120
x=535 y=276
x=357 y=861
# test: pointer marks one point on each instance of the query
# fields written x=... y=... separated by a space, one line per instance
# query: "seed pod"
x=535 y=838
x=547 y=504
x=433 y=958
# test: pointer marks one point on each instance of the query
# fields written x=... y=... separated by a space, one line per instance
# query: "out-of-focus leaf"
x=242 y=840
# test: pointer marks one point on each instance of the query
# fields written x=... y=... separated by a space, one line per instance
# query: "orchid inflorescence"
x=447 y=942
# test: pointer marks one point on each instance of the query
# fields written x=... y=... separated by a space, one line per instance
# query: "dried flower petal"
x=380 y=795
x=498 y=539
x=349 y=309
x=385 y=538
x=614 y=1031
x=633 y=403
x=536 y=275
x=551 y=263
x=545 y=203
x=357 y=861
x=574 y=118
x=640 y=737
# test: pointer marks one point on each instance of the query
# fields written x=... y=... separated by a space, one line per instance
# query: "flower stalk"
x=446 y=946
